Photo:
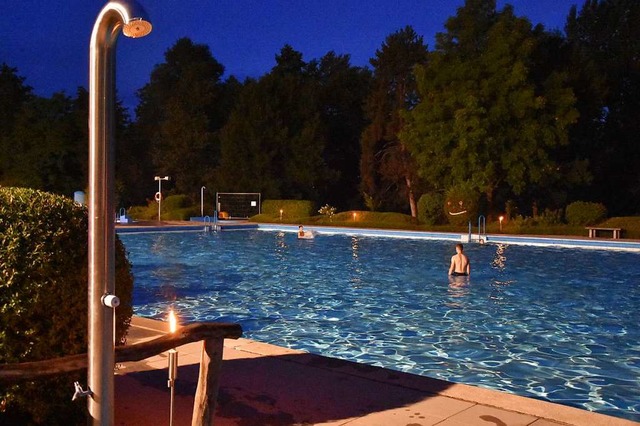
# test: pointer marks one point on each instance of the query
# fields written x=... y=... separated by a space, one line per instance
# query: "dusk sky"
x=48 y=41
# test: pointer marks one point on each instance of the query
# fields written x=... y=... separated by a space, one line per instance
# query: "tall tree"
x=274 y=139
x=387 y=170
x=13 y=95
x=180 y=112
x=45 y=146
x=484 y=120
x=604 y=38
x=342 y=91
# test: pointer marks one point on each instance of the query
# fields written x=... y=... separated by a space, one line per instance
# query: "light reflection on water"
x=556 y=324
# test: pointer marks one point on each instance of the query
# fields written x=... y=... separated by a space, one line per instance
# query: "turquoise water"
x=554 y=324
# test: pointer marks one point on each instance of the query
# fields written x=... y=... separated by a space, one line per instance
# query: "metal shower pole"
x=115 y=16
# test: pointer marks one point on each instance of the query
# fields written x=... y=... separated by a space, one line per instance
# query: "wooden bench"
x=212 y=335
x=593 y=231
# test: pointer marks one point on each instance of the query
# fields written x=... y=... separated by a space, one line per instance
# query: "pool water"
x=549 y=323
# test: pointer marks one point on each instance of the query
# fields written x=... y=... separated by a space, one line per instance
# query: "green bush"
x=430 y=208
x=291 y=209
x=174 y=207
x=585 y=213
x=175 y=202
x=43 y=300
x=461 y=204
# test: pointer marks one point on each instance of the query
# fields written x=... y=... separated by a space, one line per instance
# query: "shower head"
x=137 y=27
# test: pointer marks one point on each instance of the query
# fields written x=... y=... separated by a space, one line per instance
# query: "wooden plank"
x=204 y=405
x=14 y=373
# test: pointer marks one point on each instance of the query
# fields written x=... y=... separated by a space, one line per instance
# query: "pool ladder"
x=482 y=229
x=210 y=225
x=482 y=232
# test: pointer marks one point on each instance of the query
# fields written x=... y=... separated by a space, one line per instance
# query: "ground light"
x=173 y=365
x=130 y=18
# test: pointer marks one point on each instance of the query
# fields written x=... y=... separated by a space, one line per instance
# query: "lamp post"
x=202 y=201
x=159 y=193
x=130 y=18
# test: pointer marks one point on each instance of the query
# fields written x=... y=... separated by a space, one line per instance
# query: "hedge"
x=291 y=209
x=43 y=300
x=585 y=213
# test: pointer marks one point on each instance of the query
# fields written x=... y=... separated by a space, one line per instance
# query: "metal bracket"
x=79 y=392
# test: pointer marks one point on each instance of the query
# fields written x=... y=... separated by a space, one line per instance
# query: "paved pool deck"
x=267 y=385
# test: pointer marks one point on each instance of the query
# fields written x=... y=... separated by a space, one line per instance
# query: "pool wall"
x=592 y=243
x=569 y=242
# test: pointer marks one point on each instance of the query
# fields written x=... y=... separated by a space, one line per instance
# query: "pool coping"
x=531 y=240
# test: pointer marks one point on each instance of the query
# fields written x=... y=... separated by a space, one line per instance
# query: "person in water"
x=460 y=266
x=300 y=231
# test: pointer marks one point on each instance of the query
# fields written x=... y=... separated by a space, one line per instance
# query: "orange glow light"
x=173 y=321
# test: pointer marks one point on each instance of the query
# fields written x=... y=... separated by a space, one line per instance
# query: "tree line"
x=500 y=113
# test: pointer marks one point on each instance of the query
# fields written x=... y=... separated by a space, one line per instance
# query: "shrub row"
x=291 y=209
x=43 y=299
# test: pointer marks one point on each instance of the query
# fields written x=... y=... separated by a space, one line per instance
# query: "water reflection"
x=500 y=260
x=457 y=291
x=355 y=266
x=281 y=248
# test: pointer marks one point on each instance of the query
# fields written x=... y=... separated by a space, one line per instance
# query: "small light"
x=173 y=321
x=354 y=216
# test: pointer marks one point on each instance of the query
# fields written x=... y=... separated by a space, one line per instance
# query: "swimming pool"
x=549 y=323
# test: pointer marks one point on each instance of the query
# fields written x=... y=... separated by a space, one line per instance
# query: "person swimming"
x=460 y=266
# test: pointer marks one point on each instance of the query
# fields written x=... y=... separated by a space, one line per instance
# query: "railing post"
x=204 y=404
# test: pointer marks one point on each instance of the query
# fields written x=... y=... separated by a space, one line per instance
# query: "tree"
x=13 y=95
x=46 y=146
x=483 y=118
x=180 y=112
x=604 y=66
x=342 y=91
x=388 y=173
x=274 y=139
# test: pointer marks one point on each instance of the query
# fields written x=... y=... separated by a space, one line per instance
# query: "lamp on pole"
x=202 y=201
x=159 y=193
x=115 y=16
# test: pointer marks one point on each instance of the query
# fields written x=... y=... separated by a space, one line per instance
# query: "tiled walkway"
x=266 y=385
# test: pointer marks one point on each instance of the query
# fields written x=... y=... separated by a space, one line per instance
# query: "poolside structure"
x=116 y=16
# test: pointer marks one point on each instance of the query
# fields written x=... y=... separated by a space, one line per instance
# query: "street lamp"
x=129 y=17
x=159 y=193
x=202 y=201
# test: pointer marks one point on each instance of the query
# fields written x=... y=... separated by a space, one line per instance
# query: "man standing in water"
x=459 y=263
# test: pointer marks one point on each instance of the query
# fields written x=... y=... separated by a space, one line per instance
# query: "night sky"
x=48 y=41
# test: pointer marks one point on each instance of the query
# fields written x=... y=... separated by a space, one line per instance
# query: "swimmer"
x=300 y=231
x=459 y=263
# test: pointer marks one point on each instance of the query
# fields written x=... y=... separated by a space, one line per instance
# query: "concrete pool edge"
x=530 y=240
x=553 y=413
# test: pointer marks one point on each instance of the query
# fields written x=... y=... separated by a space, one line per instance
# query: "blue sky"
x=48 y=41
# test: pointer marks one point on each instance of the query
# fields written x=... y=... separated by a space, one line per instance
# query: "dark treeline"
x=513 y=113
